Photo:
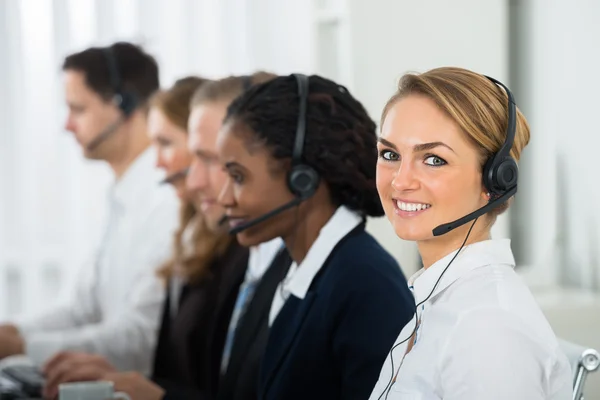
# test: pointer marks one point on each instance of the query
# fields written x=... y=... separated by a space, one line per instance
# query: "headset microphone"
x=302 y=180
x=105 y=134
x=126 y=101
x=445 y=228
x=270 y=214
x=175 y=176
x=500 y=172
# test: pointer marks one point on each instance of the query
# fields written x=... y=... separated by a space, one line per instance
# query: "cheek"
x=218 y=178
x=181 y=157
x=384 y=176
x=85 y=124
x=456 y=193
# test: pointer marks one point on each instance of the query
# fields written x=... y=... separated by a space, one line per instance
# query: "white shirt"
x=260 y=259
x=116 y=304
x=481 y=335
x=299 y=278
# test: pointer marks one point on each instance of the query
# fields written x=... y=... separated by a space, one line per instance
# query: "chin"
x=251 y=237
x=412 y=232
x=248 y=240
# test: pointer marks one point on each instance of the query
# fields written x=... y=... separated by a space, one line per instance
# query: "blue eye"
x=389 y=155
x=435 y=161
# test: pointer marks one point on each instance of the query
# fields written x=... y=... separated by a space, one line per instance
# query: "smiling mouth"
x=409 y=209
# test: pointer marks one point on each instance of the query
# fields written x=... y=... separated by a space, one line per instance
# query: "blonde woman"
x=449 y=144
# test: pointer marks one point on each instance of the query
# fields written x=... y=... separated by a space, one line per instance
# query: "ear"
x=485 y=195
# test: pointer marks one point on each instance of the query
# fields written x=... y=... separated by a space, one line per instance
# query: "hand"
x=11 y=341
x=135 y=385
x=70 y=366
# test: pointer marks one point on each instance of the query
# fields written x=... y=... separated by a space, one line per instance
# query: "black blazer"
x=333 y=343
x=240 y=381
x=190 y=345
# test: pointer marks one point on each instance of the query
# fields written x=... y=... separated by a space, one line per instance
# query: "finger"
x=55 y=376
x=59 y=358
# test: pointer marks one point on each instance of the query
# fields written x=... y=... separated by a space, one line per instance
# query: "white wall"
x=392 y=37
x=555 y=66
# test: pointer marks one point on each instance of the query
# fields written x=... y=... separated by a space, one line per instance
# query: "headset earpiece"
x=303 y=180
x=125 y=101
x=500 y=177
x=501 y=173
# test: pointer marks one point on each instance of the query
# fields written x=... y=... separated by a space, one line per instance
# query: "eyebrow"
x=162 y=138
x=204 y=154
x=233 y=164
x=418 y=147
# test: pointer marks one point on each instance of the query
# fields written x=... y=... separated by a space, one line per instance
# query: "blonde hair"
x=477 y=105
x=227 y=89
x=174 y=103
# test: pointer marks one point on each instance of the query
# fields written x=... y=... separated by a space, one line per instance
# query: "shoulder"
x=362 y=270
x=517 y=350
x=501 y=335
x=361 y=255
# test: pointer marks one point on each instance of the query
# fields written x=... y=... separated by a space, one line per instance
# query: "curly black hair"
x=340 y=142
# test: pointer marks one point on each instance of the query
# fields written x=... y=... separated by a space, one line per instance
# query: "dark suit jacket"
x=190 y=345
x=240 y=382
x=332 y=344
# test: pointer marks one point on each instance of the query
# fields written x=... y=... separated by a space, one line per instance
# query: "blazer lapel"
x=256 y=316
x=284 y=332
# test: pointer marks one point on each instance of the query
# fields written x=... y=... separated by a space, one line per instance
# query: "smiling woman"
x=449 y=144
x=300 y=158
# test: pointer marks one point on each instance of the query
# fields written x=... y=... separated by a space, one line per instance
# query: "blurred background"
x=547 y=51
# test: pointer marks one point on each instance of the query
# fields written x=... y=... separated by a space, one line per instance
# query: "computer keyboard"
x=29 y=379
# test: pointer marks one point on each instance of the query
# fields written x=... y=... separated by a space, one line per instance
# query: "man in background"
x=114 y=310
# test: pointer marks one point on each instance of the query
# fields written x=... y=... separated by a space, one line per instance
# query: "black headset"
x=125 y=100
x=500 y=173
x=303 y=180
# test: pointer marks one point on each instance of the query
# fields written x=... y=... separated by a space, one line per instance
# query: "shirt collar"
x=339 y=225
x=139 y=174
x=476 y=255
x=261 y=257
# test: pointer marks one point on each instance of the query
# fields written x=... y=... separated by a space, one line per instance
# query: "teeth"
x=412 y=206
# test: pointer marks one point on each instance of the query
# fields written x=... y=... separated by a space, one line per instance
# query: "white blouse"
x=481 y=336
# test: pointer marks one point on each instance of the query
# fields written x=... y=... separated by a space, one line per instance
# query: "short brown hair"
x=138 y=71
x=227 y=89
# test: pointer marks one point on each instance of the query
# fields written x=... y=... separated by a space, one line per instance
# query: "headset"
x=302 y=180
x=500 y=172
x=500 y=176
x=126 y=101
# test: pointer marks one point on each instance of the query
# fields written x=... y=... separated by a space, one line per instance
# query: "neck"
x=307 y=227
x=436 y=248
x=137 y=142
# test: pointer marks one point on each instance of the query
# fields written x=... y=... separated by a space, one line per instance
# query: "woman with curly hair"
x=300 y=154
